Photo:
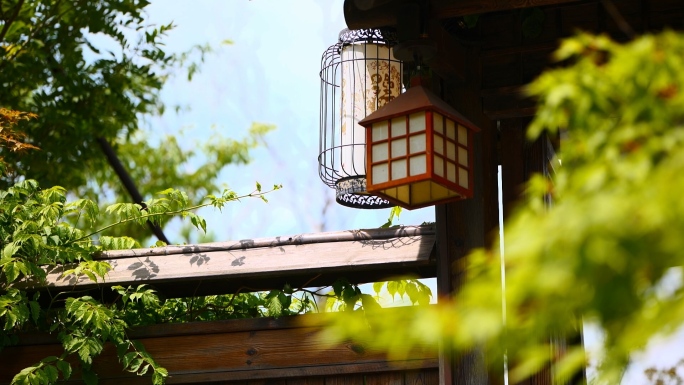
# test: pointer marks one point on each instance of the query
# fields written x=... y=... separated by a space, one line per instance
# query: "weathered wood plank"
x=421 y=377
x=287 y=240
x=307 y=381
x=384 y=379
x=250 y=266
x=268 y=382
x=262 y=261
x=292 y=349
x=467 y=224
x=345 y=380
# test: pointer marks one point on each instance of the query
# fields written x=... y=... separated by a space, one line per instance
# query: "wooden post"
x=465 y=225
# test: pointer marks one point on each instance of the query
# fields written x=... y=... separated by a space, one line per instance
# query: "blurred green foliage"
x=605 y=250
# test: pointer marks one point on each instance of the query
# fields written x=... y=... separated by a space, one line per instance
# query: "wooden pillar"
x=520 y=159
x=468 y=224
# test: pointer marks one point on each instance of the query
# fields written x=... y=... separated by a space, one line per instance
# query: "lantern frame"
x=403 y=145
x=341 y=159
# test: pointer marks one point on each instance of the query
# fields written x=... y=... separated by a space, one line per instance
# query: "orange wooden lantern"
x=419 y=151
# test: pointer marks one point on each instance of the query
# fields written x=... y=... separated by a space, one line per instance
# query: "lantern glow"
x=419 y=151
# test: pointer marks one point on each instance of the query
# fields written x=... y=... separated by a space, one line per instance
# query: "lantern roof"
x=417 y=98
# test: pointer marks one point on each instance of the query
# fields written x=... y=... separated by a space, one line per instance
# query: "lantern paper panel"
x=371 y=77
x=419 y=159
x=359 y=75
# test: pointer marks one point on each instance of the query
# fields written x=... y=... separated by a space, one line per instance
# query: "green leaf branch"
x=130 y=212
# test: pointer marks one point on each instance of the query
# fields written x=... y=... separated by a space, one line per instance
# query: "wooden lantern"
x=419 y=151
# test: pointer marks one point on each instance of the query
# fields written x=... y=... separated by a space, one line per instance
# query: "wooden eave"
x=262 y=264
x=497 y=56
x=360 y=14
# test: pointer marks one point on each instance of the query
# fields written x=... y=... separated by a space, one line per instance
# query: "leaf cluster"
x=348 y=297
x=141 y=306
x=154 y=167
x=35 y=238
x=88 y=71
x=51 y=65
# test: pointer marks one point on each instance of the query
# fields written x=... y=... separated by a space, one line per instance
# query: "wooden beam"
x=384 y=13
x=262 y=264
x=450 y=61
x=232 y=350
x=507 y=102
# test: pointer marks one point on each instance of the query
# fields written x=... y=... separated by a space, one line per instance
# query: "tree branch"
x=11 y=20
x=34 y=31
x=255 y=194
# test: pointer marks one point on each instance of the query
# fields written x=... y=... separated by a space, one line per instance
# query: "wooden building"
x=481 y=69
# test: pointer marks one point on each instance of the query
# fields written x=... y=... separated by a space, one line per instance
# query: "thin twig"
x=618 y=18
x=309 y=281
x=230 y=303
x=169 y=213
x=192 y=301
x=53 y=299
x=316 y=293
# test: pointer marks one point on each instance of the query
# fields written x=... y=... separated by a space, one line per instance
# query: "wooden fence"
x=289 y=350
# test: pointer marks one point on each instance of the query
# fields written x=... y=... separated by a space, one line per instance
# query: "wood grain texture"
x=396 y=378
x=345 y=380
x=468 y=224
x=449 y=61
x=512 y=163
x=306 y=381
x=224 y=351
x=286 y=240
x=421 y=377
x=219 y=271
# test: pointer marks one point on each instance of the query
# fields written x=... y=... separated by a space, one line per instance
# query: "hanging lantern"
x=419 y=151
x=359 y=75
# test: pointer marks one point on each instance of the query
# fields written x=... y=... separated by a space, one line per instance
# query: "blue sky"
x=269 y=74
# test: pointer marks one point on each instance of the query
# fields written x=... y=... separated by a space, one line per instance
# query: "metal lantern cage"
x=359 y=75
